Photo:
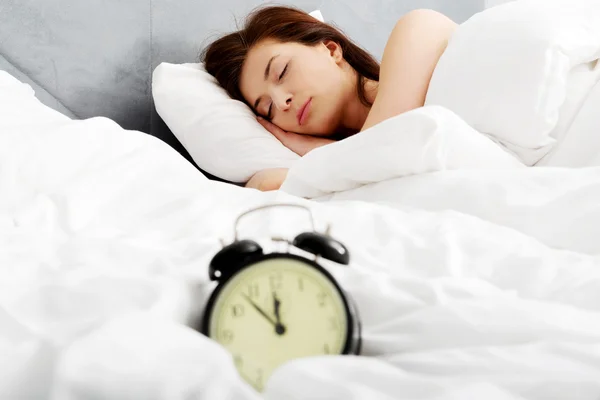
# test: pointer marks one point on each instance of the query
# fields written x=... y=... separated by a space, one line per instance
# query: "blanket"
x=106 y=236
x=523 y=73
x=431 y=159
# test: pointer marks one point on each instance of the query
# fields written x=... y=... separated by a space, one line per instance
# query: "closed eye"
x=284 y=71
x=269 y=116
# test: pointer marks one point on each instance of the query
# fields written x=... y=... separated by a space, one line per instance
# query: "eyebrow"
x=266 y=76
x=268 y=69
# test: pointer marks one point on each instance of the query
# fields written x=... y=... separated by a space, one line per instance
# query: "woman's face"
x=300 y=88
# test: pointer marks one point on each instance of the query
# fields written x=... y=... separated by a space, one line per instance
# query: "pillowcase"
x=221 y=134
x=507 y=71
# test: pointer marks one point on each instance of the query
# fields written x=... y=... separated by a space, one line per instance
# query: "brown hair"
x=225 y=57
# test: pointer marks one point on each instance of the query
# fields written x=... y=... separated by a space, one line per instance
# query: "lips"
x=303 y=112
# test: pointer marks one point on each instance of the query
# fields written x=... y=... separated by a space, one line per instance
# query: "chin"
x=321 y=122
x=316 y=128
x=324 y=127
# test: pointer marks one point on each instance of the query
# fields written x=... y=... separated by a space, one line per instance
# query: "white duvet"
x=474 y=277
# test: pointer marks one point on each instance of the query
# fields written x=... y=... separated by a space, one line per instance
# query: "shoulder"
x=422 y=13
x=422 y=22
x=412 y=51
x=422 y=16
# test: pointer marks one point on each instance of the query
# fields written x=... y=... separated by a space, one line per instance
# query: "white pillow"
x=221 y=134
x=507 y=70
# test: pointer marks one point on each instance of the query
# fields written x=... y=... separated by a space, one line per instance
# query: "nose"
x=282 y=100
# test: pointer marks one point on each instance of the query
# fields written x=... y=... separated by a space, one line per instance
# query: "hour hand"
x=279 y=328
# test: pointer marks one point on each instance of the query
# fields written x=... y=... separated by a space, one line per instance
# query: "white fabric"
x=580 y=144
x=422 y=140
x=106 y=235
x=426 y=154
x=520 y=70
x=581 y=82
x=318 y=15
x=221 y=134
x=20 y=104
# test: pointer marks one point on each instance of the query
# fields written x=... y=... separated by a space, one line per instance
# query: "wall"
x=96 y=57
x=368 y=22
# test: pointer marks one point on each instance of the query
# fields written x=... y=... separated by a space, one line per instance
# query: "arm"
x=272 y=179
x=267 y=179
x=409 y=58
x=299 y=144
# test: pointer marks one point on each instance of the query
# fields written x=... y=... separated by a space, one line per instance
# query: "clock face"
x=276 y=310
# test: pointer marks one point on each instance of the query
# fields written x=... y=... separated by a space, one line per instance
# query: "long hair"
x=225 y=57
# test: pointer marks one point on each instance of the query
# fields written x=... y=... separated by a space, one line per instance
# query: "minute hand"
x=260 y=310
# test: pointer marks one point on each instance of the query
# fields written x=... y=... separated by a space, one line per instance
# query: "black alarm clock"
x=269 y=308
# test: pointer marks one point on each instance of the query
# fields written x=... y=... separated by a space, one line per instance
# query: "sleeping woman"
x=310 y=85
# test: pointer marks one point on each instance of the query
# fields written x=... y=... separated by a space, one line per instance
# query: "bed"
x=472 y=281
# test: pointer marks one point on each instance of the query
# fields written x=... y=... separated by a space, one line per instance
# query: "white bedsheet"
x=106 y=234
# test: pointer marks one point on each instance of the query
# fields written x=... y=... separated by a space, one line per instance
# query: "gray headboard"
x=92 y=58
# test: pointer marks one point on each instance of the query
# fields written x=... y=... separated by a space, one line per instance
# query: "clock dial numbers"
x=253 y=290
x=238 y=361
x=226 y=336
x=334 y=324
x=276 y=281
x=259 y=379
x=238 y=310
x=321 y=298
x=275 y=311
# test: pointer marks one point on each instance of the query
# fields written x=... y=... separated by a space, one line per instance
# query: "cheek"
x=315 y=72
x=323 y=75
x=305 y=80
